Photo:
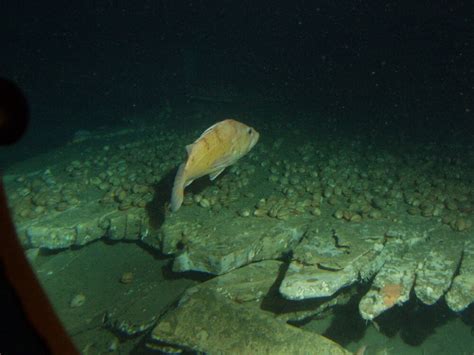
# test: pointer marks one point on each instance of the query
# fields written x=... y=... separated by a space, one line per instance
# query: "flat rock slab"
x=227 y=327
x=435 y=275
x=81 y=225
x=141 y=310
x=391 y=286
x=426 y=262
x=225 y=241
x=461 y=293
x=256 y=286
x=415 y=253
x=332 y=256
x=250 y=283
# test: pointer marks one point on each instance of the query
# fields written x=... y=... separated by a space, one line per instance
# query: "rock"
x=301 y=283
x=392 y=284
x=225 y=243
x=254 y=286
x=248 y=284
x=127 y=278
x=77 y=227
x=332 y=256
x=228 y=327
x=461 y=293
x=387 y=291
x=49 y=237
x=77 y=300
x=435 y=274
x=129 y=318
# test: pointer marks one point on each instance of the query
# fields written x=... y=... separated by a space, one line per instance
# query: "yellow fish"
x=219 y=146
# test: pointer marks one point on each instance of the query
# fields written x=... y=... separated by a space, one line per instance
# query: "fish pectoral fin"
x=219 y=166
x=222 y=163
x=215 y=174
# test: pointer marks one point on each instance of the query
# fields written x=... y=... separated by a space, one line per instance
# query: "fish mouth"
x=256 y=137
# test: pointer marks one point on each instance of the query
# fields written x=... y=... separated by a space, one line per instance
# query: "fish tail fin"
x=177 y=194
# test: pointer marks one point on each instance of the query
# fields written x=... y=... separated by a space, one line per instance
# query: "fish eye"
x=249 y=131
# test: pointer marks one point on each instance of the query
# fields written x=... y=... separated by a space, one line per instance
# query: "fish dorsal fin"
x=189 y=147
x=208 y=130
x=215 y=174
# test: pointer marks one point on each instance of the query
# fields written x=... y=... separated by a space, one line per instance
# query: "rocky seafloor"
x=303 y=218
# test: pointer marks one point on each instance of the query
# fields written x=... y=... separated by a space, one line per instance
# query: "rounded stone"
x=127 y=278
x=77 y=300
x=204 y=202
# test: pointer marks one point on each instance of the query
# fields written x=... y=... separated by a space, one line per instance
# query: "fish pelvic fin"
x=215 y=174
x=177 y=194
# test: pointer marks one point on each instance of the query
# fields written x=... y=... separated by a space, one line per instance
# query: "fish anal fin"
x=215 y=174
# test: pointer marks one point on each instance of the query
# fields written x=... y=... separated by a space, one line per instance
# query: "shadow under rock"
x=467 y=317
x=347 y=325
x=415 y=321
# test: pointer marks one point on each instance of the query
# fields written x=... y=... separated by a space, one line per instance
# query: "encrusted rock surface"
x=90 y=189
x=332 y=256
x=337 y=212
x=416 y=254
x=79 y=226
x=228 y=327
x=461 y=293
x=434 y=275
x=225 y=242
x=255 y=286
x=129 y=319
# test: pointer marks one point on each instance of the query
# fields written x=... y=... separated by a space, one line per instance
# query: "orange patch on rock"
x=391 y=293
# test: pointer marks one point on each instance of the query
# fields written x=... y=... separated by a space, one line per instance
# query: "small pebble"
x=244 y=213
x=204 y=203
x=78 y=300
x=126 y=278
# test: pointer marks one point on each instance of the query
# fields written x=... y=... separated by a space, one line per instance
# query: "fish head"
x=250 y=137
